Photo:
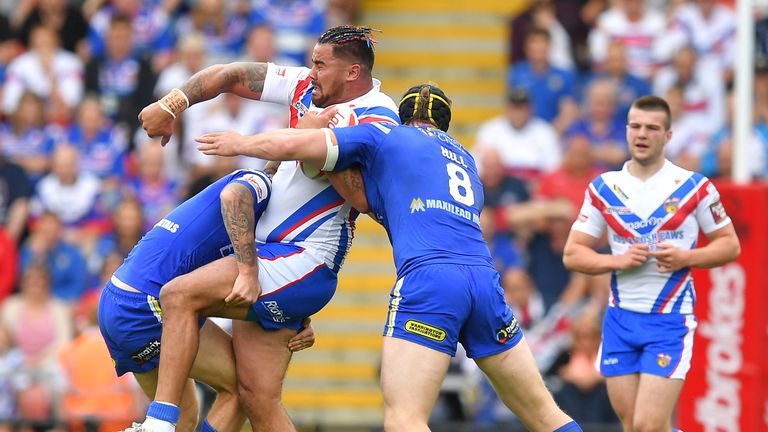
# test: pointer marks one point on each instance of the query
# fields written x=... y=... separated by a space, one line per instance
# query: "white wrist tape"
x=332 y=156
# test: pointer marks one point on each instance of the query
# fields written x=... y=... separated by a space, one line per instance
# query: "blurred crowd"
x=80 y=183
x=574 y=69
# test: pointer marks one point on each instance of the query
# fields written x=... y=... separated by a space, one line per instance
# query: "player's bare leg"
x=182 y=301
x=518 y=383
x=622 y=392
x=656 y=400
x=411 y=377
x=215 y=366
x=189 y=405
x=262 y=359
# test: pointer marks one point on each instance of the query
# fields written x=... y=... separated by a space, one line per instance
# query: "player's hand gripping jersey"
x=682 y=202
x=310 y=212
x=419 y=171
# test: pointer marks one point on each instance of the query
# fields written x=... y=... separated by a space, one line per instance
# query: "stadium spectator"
x=156 y=194
x=260 y=47
x=15 y=192
x=70 y=193
x=40 y=325
x=11 y=380
x=707 y=26
x=297 y=24
x=92 y=394
x=224 y=30
x=62 y=17
x=629 y=87
x=528 y=146
x=545 y=14
x=583 y=393
x=637 y=27
x=25 y=139
x=127 y=229
x=716 y=159
x=689 y=140
x=649 y=323
x=122 y=78
x=149 y=24
x=65 y=264
x=552 y=90
x=502 y=192
x=9 y=264
x=103 y=147
x=600 y=126
x=53 y=74
x=704 y=90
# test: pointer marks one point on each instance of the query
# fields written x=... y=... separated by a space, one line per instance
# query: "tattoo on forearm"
x=239 y=220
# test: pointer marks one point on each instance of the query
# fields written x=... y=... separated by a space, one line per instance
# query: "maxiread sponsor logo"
x=425 y=330
x=148 y=352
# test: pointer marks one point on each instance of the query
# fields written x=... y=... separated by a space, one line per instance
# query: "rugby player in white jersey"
x=653 y=211
x=309 y=216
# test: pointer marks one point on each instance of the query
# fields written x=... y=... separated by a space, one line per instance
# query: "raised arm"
x=241 y=78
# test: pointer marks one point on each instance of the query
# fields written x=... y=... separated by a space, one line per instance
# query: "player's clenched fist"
x=157 y=122
x=635 y=256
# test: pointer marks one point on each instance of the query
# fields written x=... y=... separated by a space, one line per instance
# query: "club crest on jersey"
x=503 y=335
x=619 y=192
x=426 y=330
x=671 y=204
x=663 y=360
x=417 y=205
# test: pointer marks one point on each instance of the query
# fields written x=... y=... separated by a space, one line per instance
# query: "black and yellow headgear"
x=426 y=102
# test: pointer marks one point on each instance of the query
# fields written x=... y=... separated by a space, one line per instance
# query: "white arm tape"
x=166 y=109
x=333 y=152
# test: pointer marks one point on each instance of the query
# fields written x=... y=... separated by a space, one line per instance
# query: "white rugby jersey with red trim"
x=307 y=211
x=670 y=207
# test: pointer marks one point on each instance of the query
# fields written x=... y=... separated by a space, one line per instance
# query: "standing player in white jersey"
x=311 y=218
x=653 y=211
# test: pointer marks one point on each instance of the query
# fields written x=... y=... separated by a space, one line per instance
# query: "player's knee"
x=258 y=399
x=173 y=296
x=402 y=417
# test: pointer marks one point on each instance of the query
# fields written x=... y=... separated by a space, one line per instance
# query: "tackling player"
x=191 y=236
x=422 y=185
x=311 y=218
x=653 y=211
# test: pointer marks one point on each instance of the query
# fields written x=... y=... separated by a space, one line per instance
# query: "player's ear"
x=354 y=71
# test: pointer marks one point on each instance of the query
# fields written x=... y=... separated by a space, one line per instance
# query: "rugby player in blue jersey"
x=422 y=185
x=194 y=236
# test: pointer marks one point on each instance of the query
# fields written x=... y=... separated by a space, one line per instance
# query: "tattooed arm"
x=349 y=184
x=241 y=78
x=239 y=220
